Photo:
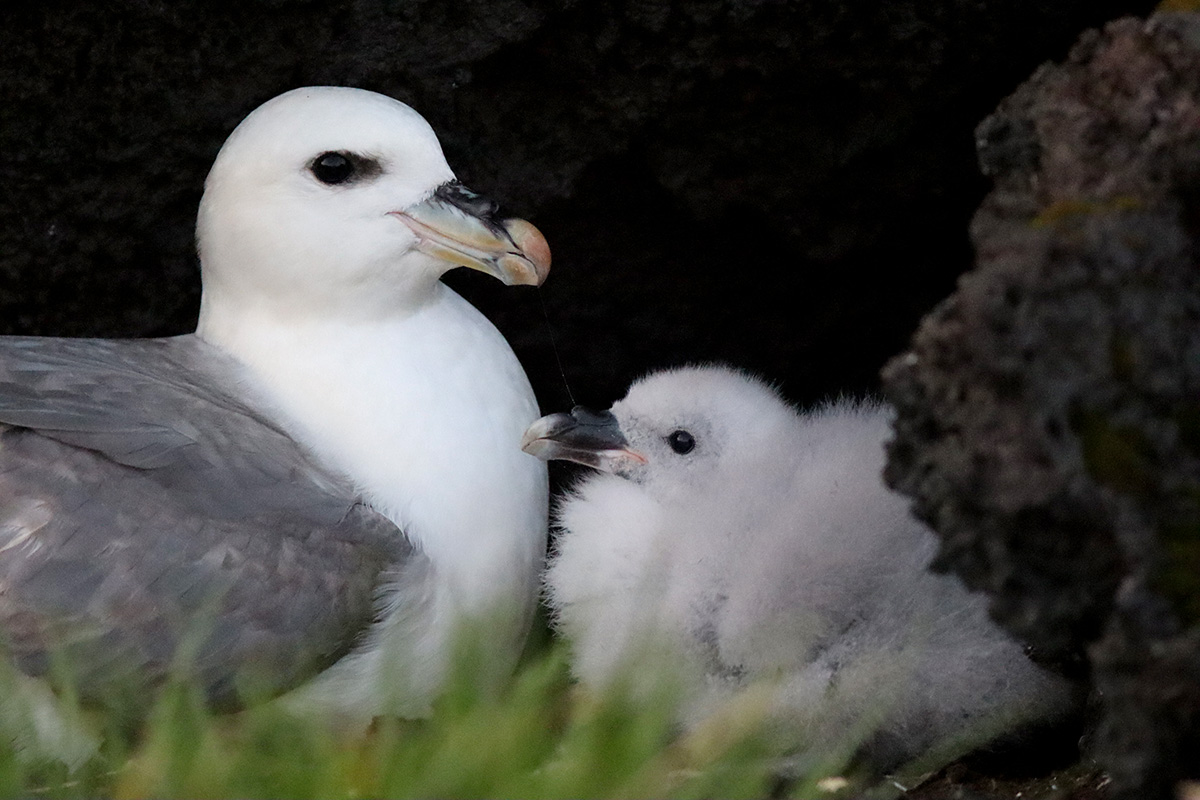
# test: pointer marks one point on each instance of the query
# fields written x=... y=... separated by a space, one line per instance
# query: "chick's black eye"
x=333 y=168
x=681 y=442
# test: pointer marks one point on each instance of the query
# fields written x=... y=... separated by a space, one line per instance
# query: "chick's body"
x=770 y=550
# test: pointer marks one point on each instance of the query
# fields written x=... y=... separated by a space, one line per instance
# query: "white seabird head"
x=332 y=200
x=678 y=430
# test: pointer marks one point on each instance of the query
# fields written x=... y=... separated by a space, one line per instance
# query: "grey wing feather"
x=148 y=514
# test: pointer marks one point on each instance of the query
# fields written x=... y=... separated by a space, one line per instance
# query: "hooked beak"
x=591 y=438
x=460 y=226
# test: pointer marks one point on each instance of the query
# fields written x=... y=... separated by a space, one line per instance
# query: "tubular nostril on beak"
x=470 y=202
x=586 y=416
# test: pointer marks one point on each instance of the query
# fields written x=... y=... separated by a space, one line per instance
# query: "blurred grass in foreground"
x=536 y=736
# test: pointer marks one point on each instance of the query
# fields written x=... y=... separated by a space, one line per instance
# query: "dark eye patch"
x=337 y=167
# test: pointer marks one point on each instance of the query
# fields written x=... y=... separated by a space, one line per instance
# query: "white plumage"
x=758 y=544
x=384 y=371
x=326 y=477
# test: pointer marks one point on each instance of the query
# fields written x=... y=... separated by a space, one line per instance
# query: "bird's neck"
x=232 y=302
x=424 y=413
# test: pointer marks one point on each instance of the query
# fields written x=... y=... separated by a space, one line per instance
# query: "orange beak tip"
x=532 y=244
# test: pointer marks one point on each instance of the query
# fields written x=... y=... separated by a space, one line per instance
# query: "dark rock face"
x=1049 y=410
x=783 y=185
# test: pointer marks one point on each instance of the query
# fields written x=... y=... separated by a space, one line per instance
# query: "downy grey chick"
x=760 y=544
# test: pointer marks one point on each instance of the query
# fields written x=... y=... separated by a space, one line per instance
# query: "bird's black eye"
x=333 y=168
x=681 y=442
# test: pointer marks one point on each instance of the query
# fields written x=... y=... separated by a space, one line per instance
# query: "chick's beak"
x=462 y=228
x=591 y=438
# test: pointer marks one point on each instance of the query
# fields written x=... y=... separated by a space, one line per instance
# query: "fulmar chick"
x=761 y=545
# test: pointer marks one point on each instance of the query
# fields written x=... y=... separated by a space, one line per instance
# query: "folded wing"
x=150 y=520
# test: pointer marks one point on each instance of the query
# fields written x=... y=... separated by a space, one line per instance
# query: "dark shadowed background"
x=781 y=185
